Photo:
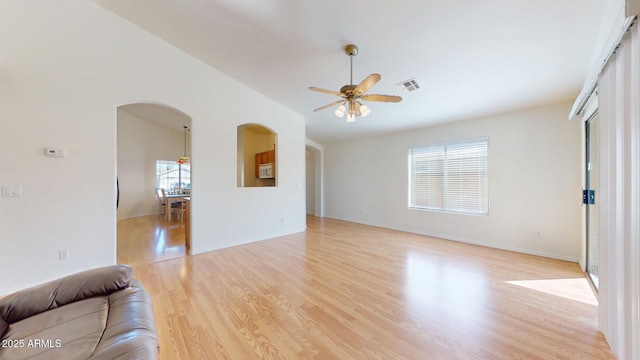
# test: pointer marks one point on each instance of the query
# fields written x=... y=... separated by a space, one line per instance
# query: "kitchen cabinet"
x=266 y=157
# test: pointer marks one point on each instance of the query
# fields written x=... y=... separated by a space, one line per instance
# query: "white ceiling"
x=471 y=58
x=159 y=115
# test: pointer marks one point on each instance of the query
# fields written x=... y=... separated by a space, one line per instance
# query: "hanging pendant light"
x=184 y=159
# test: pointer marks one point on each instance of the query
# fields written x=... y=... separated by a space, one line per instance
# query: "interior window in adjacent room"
x=451 y=177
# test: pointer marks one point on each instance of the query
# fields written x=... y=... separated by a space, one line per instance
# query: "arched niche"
x=257 y=156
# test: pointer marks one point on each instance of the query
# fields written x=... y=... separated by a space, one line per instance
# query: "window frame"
x=184 y=168
x=484 y=170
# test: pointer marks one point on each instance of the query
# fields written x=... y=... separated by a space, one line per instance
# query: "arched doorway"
x=314 y=178
x=150 y=140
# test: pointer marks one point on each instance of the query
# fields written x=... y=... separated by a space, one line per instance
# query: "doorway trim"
x=590 y=199
x=318 y=151
x=158 y=114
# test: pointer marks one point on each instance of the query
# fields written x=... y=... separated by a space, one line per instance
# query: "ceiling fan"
x=352 y=94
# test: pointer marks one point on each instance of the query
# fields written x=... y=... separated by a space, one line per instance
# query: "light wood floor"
x=149 y=239
x=348 y=291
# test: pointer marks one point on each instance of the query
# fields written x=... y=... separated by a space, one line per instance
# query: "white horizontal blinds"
x=427 y=177
x=467 y=174
x=453 y=177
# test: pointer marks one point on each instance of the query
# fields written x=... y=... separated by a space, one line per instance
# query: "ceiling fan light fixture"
x=356 y=107
x=351 y=93
x=364 y=110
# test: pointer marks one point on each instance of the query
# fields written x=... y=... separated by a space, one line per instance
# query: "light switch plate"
x=54 y=152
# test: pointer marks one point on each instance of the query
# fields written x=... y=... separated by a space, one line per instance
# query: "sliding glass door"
x=590 y=197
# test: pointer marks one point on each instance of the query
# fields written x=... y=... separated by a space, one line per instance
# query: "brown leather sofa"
x=96 y=314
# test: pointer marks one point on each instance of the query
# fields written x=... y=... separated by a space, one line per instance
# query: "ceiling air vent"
x=409 y=85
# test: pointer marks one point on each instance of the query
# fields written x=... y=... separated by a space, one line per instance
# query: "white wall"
x=65 y=67
x=534 y=186
x=140 y=143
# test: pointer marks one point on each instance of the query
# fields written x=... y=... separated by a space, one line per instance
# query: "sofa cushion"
x=96 y=282
x=131 y=327
x=3 y=327
x=68 y=332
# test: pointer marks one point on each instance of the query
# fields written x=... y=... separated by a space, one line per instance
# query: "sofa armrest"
x=95 y=282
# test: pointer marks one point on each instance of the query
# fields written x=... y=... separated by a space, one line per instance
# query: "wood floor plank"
x=149 y=239
x=348 y=291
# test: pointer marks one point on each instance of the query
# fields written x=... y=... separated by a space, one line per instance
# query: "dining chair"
x=175 y=205
x=161 y=200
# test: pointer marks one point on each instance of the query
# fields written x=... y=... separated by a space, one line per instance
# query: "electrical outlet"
x=64 y=254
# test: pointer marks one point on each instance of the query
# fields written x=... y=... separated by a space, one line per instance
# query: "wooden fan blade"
x=329 y=105
x=366 y=84
x=324 y=91
x=381 y=98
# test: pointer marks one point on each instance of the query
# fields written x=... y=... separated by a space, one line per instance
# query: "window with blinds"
x=451 y=177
